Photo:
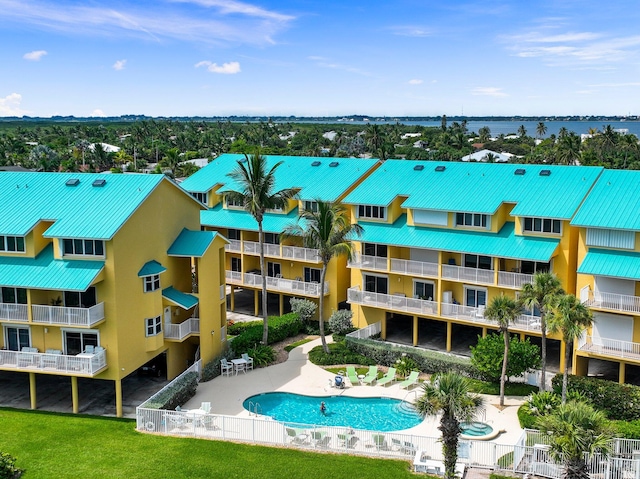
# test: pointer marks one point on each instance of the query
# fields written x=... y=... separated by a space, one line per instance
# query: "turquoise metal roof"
x=504 y=244
x=80 y=211
x=323 y=181
x=151 y=268
x=192 y=243
x=617 y=264
x=478 y=187
x=239 y=219
x=45 y=272
x=614 y=202
x=184 y=300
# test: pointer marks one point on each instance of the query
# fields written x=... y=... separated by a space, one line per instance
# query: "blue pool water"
x=475 y=428
x=375 y=414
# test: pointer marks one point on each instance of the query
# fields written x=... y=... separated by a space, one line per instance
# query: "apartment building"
x=293 y=271
x=101 y=273
x=441 y=239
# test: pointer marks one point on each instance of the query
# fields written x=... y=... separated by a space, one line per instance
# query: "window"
x=151 y=283
x=476 y=261
x=542 y=225
x=236 y=264
x=233 y=234
x=311 y=206
x=13 y=295
x=532 y=267
x=234 y=203
x=273 y=269
x=17 y=338
x=201 y=197
x=154 y=326
x=373 y=212
x=12 y=244
x=312 y=275
x=423 y=290
x=475 y=297
x=76 y=299
x=372 y=249
x=475 y=220
x=76 y=342
x=82 y=247
x=376 y=284
x=271 y=238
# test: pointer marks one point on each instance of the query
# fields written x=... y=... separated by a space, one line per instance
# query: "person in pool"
x=323 y=408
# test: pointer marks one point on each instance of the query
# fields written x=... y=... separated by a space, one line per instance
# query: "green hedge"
x=527 y=420
x=177 y=394
x=280 y=327
x=238 y=328
x=427 y=361
x=626 y=429
x=339 y=354
x=618 y=401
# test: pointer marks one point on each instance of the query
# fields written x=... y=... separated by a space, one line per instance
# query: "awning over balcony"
x=241 y=220
x=192 y=243
x=617 y=264
x=45 y=272
x=151 y=268
x=504 y=244
x=184 y=300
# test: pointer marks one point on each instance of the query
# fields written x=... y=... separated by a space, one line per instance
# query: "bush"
x=510 y=389
x=626 y=429
x=212 y=368
x=488 y=353
x=618 y=401
x=536 y=405
x=8 y=469
x=280 y=327
x=178 y=393
x=238 y=328
x=339 y=354
x=526 y=419
x=405 y=365
x=340 y=321
x=304 y=308
x=262 y=355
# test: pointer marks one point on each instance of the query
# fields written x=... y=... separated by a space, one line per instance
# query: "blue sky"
x=263 y=57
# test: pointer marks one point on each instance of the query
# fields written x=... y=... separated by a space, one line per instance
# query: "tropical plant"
x=488 y=354
x=44 y=158
x=541 y=129
x=484 y=134
x=448 y=394
x=328 y=230
x=340 y=321
x=375 y=140
x=570 y=318
x=405 y=365
x=262 y=355
x=255 y=191
x=522 y=131
x=541 y=403
x=504 y=311
x=304 y=308
x=8 y=469
x=576 y=431
x=540 y=294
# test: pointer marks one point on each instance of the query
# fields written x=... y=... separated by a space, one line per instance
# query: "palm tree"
x=522 y=131
x=541 y=294
x=490 y=158
x=484 y=134
x=448 y=393
x=375 y=140
x=328 y=230
x=171 y=160
x=255 y=192
x=541 y=130
x=569 y=149
x=504 y=311
x=562 y=132
x=576 y=429
x=571 y=318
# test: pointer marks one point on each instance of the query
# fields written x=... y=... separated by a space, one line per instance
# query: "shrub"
x=626 y=429
x=262 y=355
x=536 y=405
x=510 y=389
x=280 y=327
x=405 y=365
x=488 y=353
x=339 y=354
x=238 y=328
x=340 y=321
x=176 y=394
x=8 y=469
x=212 y=368
x=304 y=308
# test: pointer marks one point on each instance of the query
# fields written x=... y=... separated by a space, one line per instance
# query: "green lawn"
x=49 y=445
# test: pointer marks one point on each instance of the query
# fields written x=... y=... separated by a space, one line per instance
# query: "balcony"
x=414 y=268
x=372 y=263
x=609 y=347
x=234 y=245
x=53 y=362
x=392 y=302
x=14 y=312
x=467 y=313
x=617 y=303
x=468 y=275
x=513 y=280
x=277 y=285
x=281 y=251
x=179 y=332
x=63 y=316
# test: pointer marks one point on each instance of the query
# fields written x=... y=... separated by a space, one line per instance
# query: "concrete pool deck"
x=298 y=375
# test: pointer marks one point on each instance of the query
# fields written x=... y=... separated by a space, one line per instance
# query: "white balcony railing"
x=611 y=301
x=253 y=247
x=374 y=263
x=233 y=277
x=392 y=302
x=80 y=365
x=14 y=312
x=414 y=268
x=281 y=251
x=300 y=254
x=234 y=245
x=468 y=313
x=283 y=285
x=61 y=315
x=513 y=280
x=472 y=275
x=526 y=322
x=182 y=330
x=609 y=347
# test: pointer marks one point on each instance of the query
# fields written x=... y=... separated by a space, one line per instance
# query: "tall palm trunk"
x=450 y=428
x=567 y=355
x=543 y=351
x=263 y=273
x=323 y=274
x=505 y=360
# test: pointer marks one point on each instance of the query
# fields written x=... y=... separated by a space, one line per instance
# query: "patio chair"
x=206 y=407
x=371 y=376
x=409 y=449
x=225 y=368
x=352 y=375
x=89 y=349
x=296 y=436
x=320 y=439
x=387 y=378
x=380 y=442
x=347 y=440
x=249 y=361
x=410 y=381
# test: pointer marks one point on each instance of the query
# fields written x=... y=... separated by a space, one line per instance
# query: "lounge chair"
x=410 y=381
x=297 y=436
x=371 y=376
x=348 y=440
x=387 y=378
x=320 y=438
x=352 y=375
x=380 y=442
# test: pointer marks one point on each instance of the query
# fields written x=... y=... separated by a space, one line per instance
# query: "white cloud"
x=119 y=65
x=97 y=112
x=35 y=55
x=227 y=7
x=415 y=81
x=327 y=63
x=10 y=105
x=229 y=68
x=488 y=91
x=410 y=31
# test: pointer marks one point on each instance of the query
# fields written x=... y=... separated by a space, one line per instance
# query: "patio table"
x=239 y=365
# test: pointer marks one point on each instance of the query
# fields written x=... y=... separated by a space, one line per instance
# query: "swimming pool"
x=374 y=414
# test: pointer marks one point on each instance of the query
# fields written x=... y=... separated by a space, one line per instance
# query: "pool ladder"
x=255 y=408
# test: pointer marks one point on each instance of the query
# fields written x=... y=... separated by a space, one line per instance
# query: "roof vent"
x=333 y=164
x=72 y=182
x=441 y=168
x=99 y=182
x=418 y=167
x=545 y=172
x=316 y=163
x=519 y=172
